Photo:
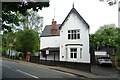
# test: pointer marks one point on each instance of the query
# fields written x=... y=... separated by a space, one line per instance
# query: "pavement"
x=80 y=73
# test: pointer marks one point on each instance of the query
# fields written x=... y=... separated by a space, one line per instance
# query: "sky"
x=94 y=12
x=119 y=15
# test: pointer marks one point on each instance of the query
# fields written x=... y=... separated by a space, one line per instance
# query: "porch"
x=49 y=53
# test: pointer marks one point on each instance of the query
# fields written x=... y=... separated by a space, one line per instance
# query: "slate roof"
x=73 y=10
x=47 y=31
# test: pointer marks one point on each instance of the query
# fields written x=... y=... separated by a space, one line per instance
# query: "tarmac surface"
x=98 y=73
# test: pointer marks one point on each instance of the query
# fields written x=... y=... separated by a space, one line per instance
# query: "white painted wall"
x=72 y=23
x=52 y=41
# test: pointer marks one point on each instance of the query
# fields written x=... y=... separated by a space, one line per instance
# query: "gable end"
x=73 y=10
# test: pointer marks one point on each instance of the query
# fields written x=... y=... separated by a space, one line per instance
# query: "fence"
x=73 y=65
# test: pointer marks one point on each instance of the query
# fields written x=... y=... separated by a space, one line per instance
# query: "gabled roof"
x=47 y=31
x=73 y=10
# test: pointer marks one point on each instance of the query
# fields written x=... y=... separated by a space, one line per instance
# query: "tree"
x=27 y=40
x=105 y=36
x=32 y=21
x=7 y=38
x=11 y=18
x=110 y=2
x=118 y=46
x=10 y=10
x=35 y=21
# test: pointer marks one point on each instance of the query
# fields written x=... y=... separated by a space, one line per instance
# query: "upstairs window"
x=74 y=34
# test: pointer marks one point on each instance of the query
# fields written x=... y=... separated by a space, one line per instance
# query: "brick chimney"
x=54 y=27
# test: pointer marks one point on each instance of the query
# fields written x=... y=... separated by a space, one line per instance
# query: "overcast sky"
x=94 y=12
x=119 y=16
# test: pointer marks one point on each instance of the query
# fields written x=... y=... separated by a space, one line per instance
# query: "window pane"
x=78 y=36
x=80 y=52
x=71 y=50
x=72 y=31
x=75 y=31
x=68 y=36
x=71 y=55
x=72 y=36
x=68 y=31
x=75 y=49
x=75 y=55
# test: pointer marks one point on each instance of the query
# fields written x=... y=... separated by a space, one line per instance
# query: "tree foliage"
x=110 y=2
x=32 y=21
x=106 y=36
x=27 y=40
x=10 y=10
x=7 y=38
x=35 y=21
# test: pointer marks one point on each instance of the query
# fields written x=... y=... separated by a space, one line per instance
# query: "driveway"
x=105 y=71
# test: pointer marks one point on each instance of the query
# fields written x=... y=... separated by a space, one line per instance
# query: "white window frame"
x=74 y=34
x=73 y=53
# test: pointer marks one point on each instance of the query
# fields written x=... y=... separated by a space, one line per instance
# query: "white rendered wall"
x=72 y=23
x=52 y=41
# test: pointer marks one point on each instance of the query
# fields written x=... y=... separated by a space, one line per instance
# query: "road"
x=25 y=70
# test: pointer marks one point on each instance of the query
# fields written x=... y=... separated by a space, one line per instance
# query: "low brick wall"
x=73 y=65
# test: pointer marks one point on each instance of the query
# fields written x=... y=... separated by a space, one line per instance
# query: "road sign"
x=47 y=51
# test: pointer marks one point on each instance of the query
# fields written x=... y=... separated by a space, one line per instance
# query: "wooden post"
x=46 y=59
x=54 y=56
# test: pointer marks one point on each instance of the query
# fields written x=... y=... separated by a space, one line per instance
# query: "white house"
x=68 y=41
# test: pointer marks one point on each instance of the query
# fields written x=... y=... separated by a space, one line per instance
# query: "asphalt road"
x=12 y=69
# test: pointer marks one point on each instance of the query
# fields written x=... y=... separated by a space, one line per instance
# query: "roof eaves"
x=48 y=35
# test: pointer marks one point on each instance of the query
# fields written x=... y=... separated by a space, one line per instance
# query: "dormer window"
x=74 y=34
